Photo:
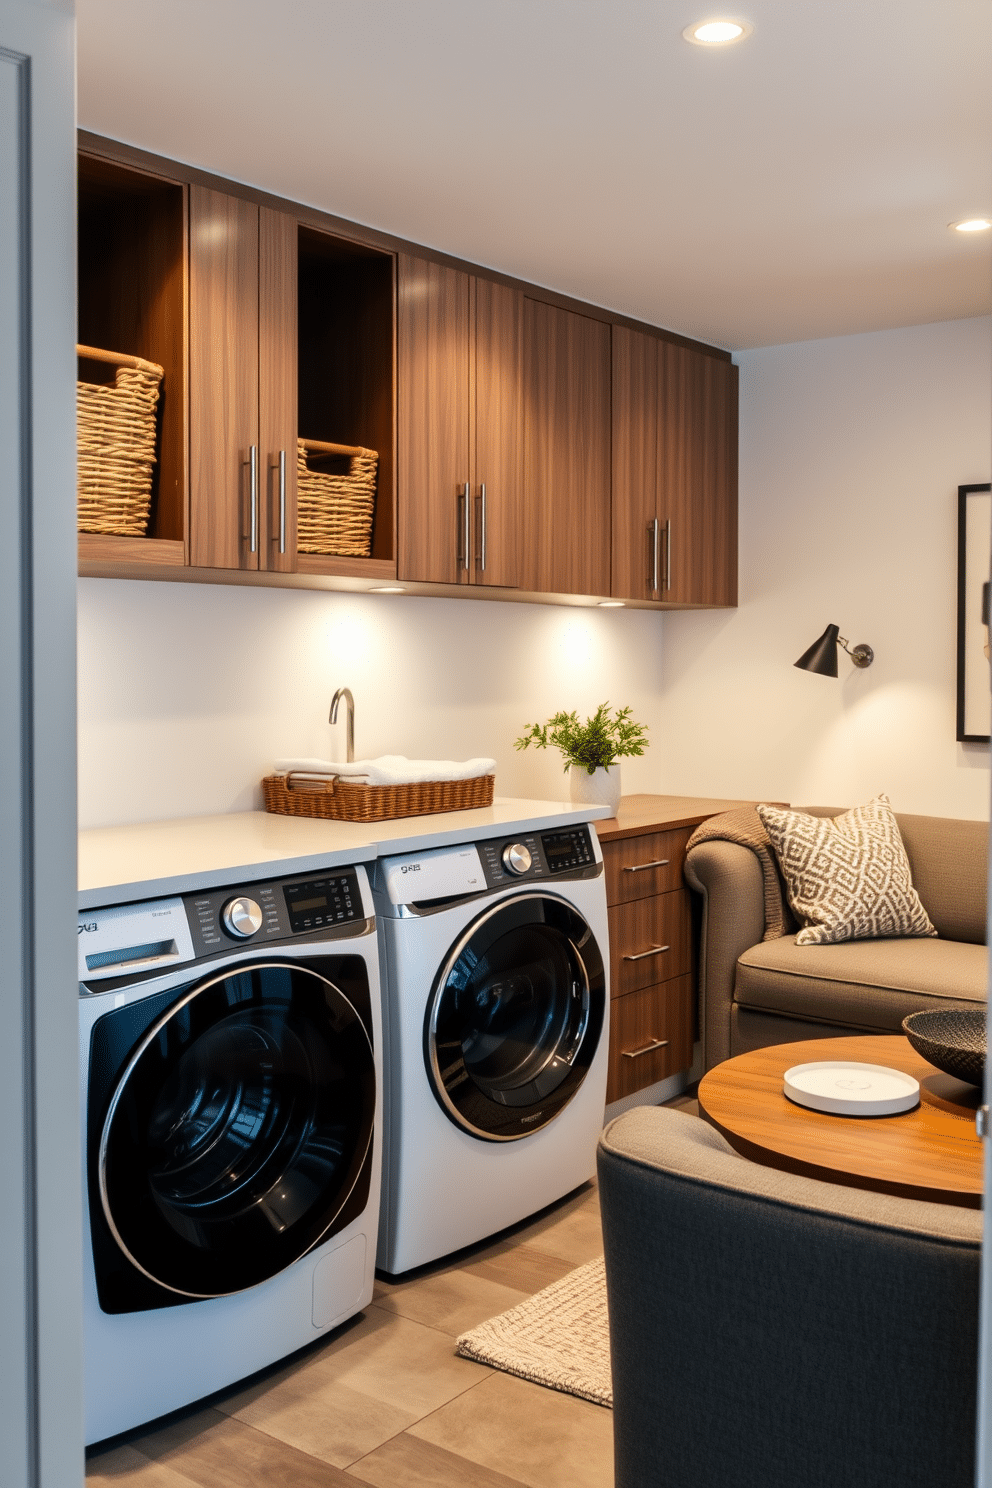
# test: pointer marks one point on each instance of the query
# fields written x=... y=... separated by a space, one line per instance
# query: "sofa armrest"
x=729 y=879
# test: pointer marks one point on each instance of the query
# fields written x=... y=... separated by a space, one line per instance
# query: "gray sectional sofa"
x=755 y=992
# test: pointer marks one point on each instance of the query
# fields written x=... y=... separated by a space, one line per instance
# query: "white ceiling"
x=797 y=185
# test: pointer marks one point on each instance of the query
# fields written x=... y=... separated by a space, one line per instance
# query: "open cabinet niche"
x=132 y=236
x=345 y=332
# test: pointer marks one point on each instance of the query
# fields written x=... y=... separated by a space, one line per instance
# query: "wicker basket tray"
x=116 y=435
x=334 y=512
x=341 y=800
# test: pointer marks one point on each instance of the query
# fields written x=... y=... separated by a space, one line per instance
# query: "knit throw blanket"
x=744 y=827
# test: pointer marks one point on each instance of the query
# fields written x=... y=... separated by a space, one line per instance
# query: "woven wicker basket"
x=334 y=512
x=340 y=800
x=116 y=435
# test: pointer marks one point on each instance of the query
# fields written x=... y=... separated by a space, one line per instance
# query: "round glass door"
x=515 y=1017
x=238 y=1129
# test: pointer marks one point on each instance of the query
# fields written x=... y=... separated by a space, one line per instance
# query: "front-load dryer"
x=230 y=1046
x=496 y=1008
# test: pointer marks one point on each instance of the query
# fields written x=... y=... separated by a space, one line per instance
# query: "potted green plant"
x=591 y=750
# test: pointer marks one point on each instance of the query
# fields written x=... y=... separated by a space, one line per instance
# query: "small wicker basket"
x=116 y=426
x=335 y=799
x=334 y=512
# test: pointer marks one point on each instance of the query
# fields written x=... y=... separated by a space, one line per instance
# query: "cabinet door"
x=698 y=465
x=277 y=398
x=499 y=454
x=433 y=329
x=565 y=531
x=223 y=379
x=637 y=535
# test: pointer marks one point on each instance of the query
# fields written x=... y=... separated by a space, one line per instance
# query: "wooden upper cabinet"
x=224 y=503
x=565 y=527
x=497 y=426
x=698 y=476
x=459 y=445
x=674 y=473
x=637 y=531
x=520 y=445
x=277 y=389
x=132 y=299
x=432 y=333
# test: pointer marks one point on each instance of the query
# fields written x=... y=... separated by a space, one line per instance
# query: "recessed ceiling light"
x=388 y=589
x=611 y=604
x=971 y=224
x=717 y=32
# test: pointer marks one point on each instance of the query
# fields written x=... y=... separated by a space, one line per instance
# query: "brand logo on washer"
x=526 y=1120
x=409 y=867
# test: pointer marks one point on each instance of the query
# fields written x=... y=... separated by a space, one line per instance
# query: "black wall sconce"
x=822 y=655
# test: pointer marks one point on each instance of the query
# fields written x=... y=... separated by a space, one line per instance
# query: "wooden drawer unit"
x=652 y=956
x=650 y=1036
x=639 y=866
x=650 y=941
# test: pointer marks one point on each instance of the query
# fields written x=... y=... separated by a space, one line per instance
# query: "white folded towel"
x=390 y=769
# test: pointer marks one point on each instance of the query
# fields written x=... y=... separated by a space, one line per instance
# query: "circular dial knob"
x=241 y=918
x=516 y=858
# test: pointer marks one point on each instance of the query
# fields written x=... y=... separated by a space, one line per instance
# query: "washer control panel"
x=536 y=855
x=262 y=912
x=130 y=942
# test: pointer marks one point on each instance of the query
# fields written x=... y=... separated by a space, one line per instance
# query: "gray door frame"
x=41 y=1432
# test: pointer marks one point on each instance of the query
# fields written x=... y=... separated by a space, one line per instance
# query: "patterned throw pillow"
x=847 y=877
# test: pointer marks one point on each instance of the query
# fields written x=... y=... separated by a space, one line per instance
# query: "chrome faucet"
x=345 y=692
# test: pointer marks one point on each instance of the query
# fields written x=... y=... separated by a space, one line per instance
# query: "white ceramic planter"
x=601 y=788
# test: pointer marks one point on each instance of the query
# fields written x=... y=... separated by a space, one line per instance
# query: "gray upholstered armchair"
x=773 y=1331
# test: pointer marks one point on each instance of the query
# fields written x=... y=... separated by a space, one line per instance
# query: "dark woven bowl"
x=951 y=1038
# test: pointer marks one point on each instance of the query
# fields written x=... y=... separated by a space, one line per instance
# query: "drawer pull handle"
x=640 y=867
x=648 y=1049
x=642 y=955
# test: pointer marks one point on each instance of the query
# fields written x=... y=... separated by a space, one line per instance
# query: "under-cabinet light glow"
x=610 y=604
x=388 y=589
x=971 y=225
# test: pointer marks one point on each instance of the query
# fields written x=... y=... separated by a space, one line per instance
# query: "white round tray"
x=844 y=1087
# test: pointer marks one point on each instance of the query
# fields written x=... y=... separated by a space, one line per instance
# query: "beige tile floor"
x=386 y=1401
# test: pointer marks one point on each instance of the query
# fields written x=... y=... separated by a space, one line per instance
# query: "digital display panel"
x=322 y=902
x=301 y=904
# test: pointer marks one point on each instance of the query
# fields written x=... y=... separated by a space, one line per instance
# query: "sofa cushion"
x=949 y=861
x=863 y=984
x=847 y=878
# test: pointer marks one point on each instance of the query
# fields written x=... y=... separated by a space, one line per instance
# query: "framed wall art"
x=974 y=538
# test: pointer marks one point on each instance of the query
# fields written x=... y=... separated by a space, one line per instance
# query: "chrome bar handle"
x=482 y=515
x=642 y=955
x=640 y=867
x=252 y=463
x=466 y=525
x=648 y=1049
x=654 y=532
x=668 y=553
x=282 y=501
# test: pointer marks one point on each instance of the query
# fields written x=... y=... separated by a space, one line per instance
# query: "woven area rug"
x=559 y=1338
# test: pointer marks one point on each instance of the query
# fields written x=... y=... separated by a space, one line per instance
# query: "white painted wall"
x=188 y=692
x=851 y=454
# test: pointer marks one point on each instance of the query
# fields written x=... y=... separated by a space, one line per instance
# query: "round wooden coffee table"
x=932 y=1152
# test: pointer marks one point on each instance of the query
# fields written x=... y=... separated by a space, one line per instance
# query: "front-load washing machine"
x=496 y=1006
x=232 y=1092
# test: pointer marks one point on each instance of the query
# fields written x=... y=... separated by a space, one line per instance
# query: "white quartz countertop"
x=118 y=865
